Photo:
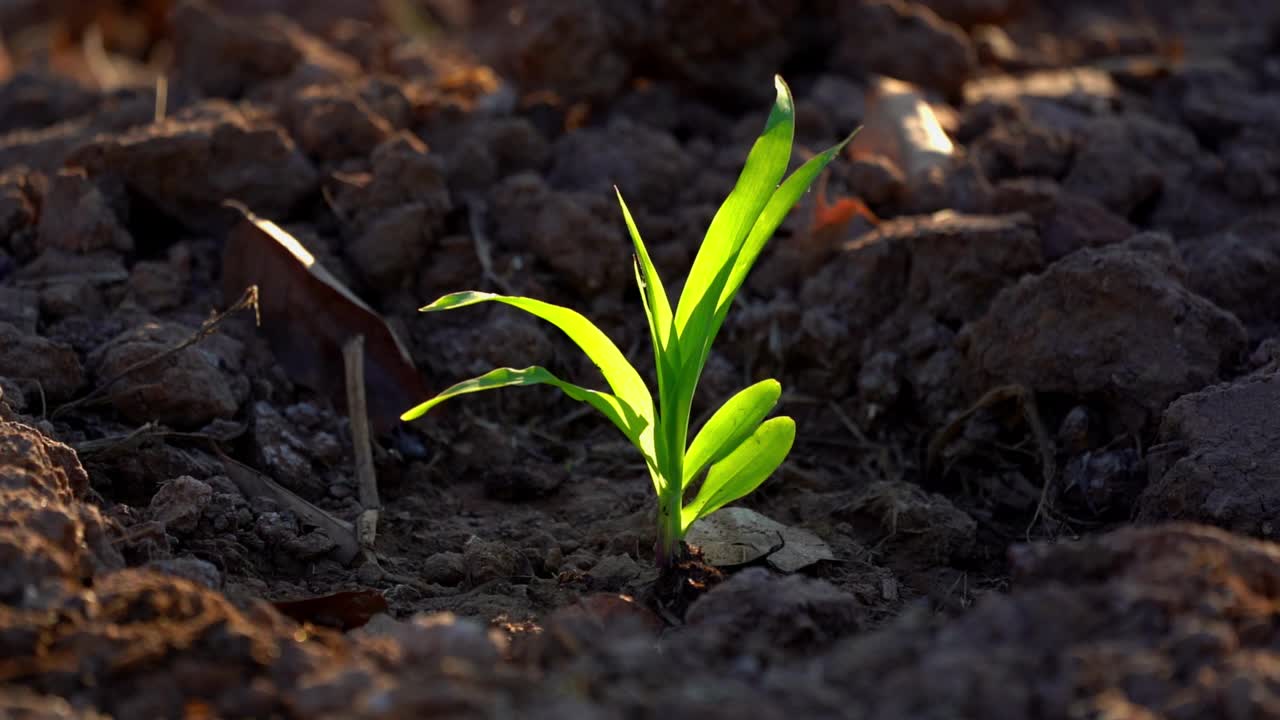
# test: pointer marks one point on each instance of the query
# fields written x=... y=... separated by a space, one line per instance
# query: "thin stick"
x=366 y=477
x=116 y=442
x=162 y=98
x=248 y=299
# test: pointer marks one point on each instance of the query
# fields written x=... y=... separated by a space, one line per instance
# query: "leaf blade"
x=743 y=470
x=620 y=413
x=658 y=304
x=732 y=424
x=766 y=163
x=775 y=211
x=622 y=378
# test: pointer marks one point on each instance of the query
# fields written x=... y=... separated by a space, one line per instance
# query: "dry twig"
x=366 y=477
x=247 y=300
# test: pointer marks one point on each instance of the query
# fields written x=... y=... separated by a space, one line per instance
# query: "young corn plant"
x=737 y=447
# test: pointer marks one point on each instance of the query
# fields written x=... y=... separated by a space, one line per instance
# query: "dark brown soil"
x=1034 y=366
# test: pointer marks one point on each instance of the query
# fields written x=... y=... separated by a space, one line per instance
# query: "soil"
x=1027 y=329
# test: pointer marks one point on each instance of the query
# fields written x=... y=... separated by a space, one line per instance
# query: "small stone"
x=188 y=389
x=77 y=217
x=180 y=502
x=614 y=572
x=487 y=560
x=334 y=123
x=12 y=399
x=1102 y=481
x=370 y=574
x=444 y=568
x=156 y=285
x=282 y=452
x=309 y=546
x=305 y=415
x=275 y=528
x=326 y=448
x=26 y=356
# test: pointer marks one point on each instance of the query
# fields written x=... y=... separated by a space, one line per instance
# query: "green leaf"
x=619 y=412
x=657 y=304
x=742 y=470
x=765 y=166
x=621 y=376
x=770 y=218
x=730 y=426
x=782 y=202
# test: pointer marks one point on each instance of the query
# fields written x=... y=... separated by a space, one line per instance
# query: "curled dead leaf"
x=308 y=315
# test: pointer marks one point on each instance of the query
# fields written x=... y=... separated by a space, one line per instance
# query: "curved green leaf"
x=730 y=426
x=657 y=304
x=781 y=203
x=621 y=376
x=666 y=348
x=742 y=470
x=618 y=411
x=765 y=166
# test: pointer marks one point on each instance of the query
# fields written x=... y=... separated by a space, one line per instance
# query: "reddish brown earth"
x=1036 y=377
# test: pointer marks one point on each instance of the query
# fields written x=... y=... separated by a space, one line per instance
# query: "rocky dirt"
x=1027 y=326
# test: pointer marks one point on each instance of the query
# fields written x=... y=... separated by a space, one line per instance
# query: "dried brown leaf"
x=308 y=315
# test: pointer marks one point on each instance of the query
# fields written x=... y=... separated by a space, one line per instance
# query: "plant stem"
x=676 y=431
x=668 y=527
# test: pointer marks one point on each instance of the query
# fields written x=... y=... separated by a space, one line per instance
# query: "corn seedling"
x=737 y=447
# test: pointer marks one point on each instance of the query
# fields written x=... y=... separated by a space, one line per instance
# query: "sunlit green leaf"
x=730 y=425
x=742 y=470
x=771 y=217
x=619 y=412
x=765 y=166
x=621 y=376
